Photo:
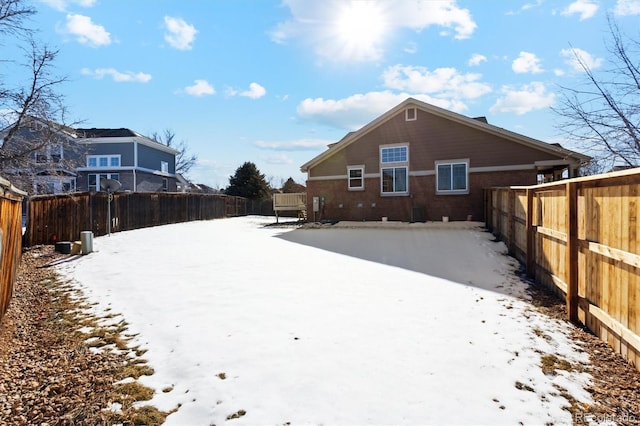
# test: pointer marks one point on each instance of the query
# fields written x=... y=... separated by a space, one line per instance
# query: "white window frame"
x=164 y=166
x=451 y=164
x=393 y=164
x=394 y=182
x=351 y=179
x=99 y=176
x=108 y=158
x=411 y=116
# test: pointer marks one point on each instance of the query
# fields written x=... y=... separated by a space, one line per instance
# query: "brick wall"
x=421 y=204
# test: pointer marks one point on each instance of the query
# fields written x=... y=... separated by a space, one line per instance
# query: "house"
x=419 y=162
x=51 y=158
x=138 y=162
x=40 y=156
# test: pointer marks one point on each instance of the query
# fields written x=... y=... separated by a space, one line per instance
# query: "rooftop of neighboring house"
x=95 y=133
x=106 y=133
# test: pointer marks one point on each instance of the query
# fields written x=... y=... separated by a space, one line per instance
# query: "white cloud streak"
x=530 y=97
x=527 y=63
x=199 y=88
x=443 y=82
x=62 y=5
x=295 y=145
x=179 y=34
x=85 y=31
x=314 y=23
x=476 y=59
x=584 y=8
x=574 y=56
x=353 y=112
x=627 y=8
x=116 y=75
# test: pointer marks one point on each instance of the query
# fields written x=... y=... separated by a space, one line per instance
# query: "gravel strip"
x=49 y=374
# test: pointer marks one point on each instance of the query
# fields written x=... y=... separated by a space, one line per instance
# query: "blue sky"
x=274 y=82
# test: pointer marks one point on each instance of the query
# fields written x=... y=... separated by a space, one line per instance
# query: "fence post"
x=530 y=254
x=511 y=221
x=572 y=251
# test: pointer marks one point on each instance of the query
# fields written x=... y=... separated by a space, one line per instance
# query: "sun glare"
x=360 y=27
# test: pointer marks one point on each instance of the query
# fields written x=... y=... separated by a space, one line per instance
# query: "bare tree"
x=13 y=13
x=184 y=160
x=35 y=140
x=603 y=116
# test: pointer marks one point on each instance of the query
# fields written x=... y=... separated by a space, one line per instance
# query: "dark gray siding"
x=124 y=149
x=150 y=158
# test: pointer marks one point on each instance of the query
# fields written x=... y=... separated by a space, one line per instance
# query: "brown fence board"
x=580 y=240
x=63 y=217
x=10 y=240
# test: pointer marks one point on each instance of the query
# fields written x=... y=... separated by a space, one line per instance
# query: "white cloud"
x=180 y=34
x=116 y=75
x=477 y=59
x=357 y=110
x=295 y=145
x=526 y=63
x=277 y=159
x=200 y=88
x=627 y=7
x=528 y=98
x=585 y=8
x=574 y=56
x=64 y=4
x=359 y=30
x=255 y=91
x=445 y=82
x=411 y=47
x=85 y=31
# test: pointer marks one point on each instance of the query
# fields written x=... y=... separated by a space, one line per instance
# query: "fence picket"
x=580 y=240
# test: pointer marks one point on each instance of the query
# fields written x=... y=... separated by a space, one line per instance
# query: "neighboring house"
x=138 y=162
x=420 y=162
x=44 y=156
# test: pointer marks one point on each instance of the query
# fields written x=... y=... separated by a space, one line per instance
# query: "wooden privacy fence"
x=579 y=238
x=10 y=240
x=62 y=217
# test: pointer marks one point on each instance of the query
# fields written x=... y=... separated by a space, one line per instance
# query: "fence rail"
x=63 y=217
x=579 y=238
x=10 y=240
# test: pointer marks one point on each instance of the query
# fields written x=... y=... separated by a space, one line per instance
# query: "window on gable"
x=394 y=169
x=395 y=154
x=356 y=178
x=452 y=177
x=164 y=167
x=410 y=114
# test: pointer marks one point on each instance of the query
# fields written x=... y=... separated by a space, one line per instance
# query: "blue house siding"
x=150 y=158
x=125 y=150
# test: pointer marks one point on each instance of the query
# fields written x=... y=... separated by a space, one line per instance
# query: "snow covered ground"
x=335 y=326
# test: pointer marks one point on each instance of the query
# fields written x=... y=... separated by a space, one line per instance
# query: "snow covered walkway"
x=337 y=326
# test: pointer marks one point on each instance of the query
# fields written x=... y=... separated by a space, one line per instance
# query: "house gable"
x=439 y=134
x=420 y=162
